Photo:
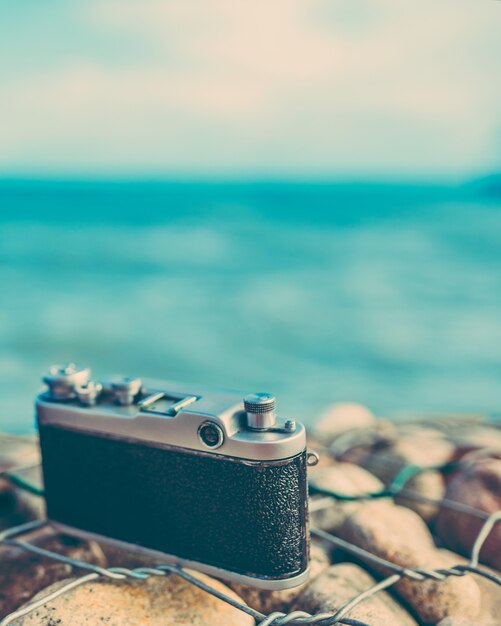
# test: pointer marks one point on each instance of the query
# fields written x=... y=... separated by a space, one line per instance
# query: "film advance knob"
x=260 y=409
x=63 y=379
x=89 y=393
x=126 y=389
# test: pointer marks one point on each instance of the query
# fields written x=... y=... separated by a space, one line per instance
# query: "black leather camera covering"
x=249 y=518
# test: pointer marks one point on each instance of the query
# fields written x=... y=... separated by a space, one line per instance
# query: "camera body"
x=199 y=477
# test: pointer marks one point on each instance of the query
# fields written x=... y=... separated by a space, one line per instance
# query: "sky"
x=310 y=88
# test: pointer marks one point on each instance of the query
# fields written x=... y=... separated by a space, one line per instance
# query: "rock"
x=344 y=478
x=156 y=601
x=470 y=437
x=340 y=418
x=16 y=506
x=356 y=445
x=477 y=485
x=18 y=451
x=340 y=583
x=430 y=484
x=269 y=601
x=459 y=621
x=22 y=573
x=400 y=536
x=426 y=449
x=489 y=591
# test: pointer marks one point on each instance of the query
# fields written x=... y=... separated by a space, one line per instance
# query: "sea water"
x=388 y=295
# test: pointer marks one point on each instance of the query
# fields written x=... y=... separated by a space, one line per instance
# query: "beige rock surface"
x=269 y=601
x=469 y=437
x=18 y=451
x=158 y=601
x=489 y=591
x=17 y=506
x=430 y=484
x=340 y=418
x=344 y=478
x=459 y=621
x=426 y=448
x=340 y=583
x=400 y=536
x=477 y=485
x=23 y=574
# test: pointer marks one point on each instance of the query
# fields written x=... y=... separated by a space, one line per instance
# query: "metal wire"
x=121 y=573
x=276 y=618
x=21 y=529
x=396 y=487
x=485 y=531
x=19 y=481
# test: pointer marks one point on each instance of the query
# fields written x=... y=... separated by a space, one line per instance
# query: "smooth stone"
x=468 y=438
x=22 y=573
x=342 y=582
x=489 y=591
x=400 y=536
x=18 y=451
x=459 y=621
x=156 y=601
x=356 y=445
x=18 y=506
x=427 y=484
x=340 y=418
x=344 y=478
x=426 y=449
x=270 y=601
x=477 y=485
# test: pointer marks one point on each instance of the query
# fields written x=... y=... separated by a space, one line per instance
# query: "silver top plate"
x=172 y=414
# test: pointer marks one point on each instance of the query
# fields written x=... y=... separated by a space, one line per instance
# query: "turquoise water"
x=387 y=295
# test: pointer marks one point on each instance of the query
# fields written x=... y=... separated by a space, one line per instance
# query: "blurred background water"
x=382 y=292
x=389 y=295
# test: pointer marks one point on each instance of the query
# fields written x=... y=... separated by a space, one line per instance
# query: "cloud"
x=292 y=86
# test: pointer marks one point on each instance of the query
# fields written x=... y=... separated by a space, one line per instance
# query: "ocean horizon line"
x=452 y=182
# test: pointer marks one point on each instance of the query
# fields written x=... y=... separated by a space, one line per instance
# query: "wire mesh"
x=12 y=536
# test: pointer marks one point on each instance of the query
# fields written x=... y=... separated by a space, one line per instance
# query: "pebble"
x=427 y=450
x=340 y=583
x=471 y=437
x=459 y=621
x=489 y=591
x=399 y=535
x=477 y=485
x=340 y=418
x=22 y=573
x=18 y=506
x=18 y=451
x=156 y=601
x=270 y=601
x=345 y=478
x=430 y=484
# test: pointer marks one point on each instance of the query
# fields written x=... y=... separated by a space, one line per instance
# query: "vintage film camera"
x=200 y=477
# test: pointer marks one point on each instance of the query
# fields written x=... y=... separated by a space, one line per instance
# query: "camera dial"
x=260 y=409
x=62 y=380
x=88 y=393
x=125 y=389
